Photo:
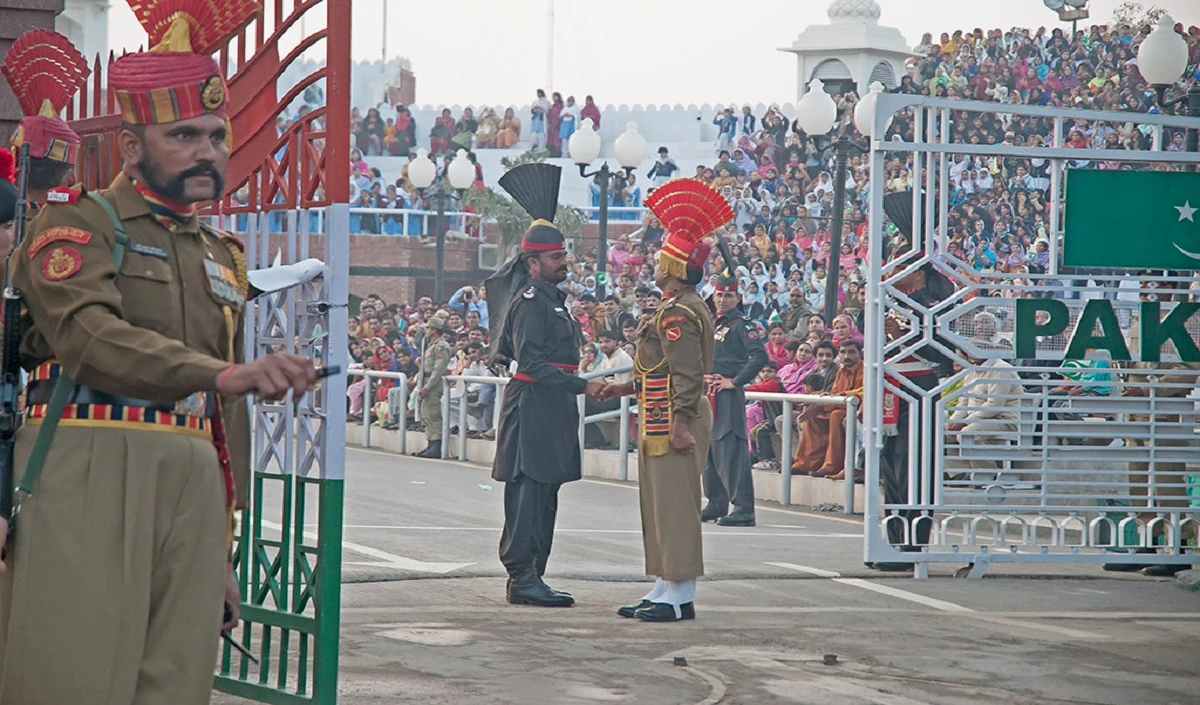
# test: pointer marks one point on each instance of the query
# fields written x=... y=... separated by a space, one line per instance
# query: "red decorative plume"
x=44 y=67
x=210 y=24
x=8 y=166
x=689 y=208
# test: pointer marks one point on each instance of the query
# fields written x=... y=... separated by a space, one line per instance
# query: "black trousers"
x=893 y=467
x=727 y=476
x=530 y=508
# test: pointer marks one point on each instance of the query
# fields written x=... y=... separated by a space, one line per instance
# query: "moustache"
x=202 y=170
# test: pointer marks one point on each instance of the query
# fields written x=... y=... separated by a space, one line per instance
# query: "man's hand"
x=269 y=377
x=423 y=392
x=682 y=440
x=726 y=382
x=955 y=427
x=233 y=598
x=612 y=391
x=1133 y=392
x=595 y=388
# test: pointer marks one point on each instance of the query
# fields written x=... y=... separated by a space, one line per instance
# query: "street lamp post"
x=1162 y=58
x=460 y=174
x=630 y=149
x=816 y=113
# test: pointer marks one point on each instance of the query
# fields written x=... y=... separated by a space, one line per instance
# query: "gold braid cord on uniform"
x=654 y=394
x=239 y=263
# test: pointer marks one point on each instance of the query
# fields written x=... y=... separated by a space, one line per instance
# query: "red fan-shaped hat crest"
x=44 y=71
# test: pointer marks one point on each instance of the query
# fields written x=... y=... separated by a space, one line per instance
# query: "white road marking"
x=389 y=560
x=707 y=531
x=940 y=605
x=807 y=569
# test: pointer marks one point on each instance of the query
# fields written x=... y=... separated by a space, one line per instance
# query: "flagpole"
x=549 y=45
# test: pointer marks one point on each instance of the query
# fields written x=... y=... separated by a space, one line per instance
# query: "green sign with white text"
x=1163 y=327
x=1132 y=219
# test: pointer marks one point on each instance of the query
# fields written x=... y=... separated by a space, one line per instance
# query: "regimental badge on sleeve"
x=61 y=263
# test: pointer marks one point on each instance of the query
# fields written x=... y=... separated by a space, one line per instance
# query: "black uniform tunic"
x=739 y=354
x=538 y=432
x=537 y=436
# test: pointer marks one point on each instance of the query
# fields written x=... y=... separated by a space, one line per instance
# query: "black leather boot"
x=433 y=450
x=527 y=589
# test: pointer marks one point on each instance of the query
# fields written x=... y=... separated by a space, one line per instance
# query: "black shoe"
x=433 y=450
x=894 y=567
x=737 y=519
x=711 y=513
x=1125 y=567
x=1164 y=571
x=629 y=610
x=871 y=565
x=659 y=612
x=537 y=594
x=508 y=589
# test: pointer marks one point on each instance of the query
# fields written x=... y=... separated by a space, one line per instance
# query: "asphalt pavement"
x=424 y=619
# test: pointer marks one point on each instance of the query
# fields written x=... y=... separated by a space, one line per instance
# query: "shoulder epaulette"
x=530 y=292
x=65 y=196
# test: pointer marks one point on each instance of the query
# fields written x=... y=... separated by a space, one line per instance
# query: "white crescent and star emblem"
x=1186 y=212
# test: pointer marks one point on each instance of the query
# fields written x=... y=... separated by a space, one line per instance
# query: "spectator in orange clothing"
x=822 y=448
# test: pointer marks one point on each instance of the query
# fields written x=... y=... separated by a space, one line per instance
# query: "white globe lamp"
x=630 y=147
x=461 y=171
x=585 y=143
x=816 y=111
x=421 y=171
x=1163 y=55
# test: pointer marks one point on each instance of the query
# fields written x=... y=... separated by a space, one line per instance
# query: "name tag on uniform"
x=223 y=283
x=150 y=250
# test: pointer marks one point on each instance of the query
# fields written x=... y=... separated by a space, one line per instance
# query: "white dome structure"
x=853 y=50
x=853 y=11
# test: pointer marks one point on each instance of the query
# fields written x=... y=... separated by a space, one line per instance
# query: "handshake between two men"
x=682 y=441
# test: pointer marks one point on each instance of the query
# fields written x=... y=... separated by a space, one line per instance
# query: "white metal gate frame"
x=1060 y=520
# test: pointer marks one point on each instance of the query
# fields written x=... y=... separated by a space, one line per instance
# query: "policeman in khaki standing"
x=115 y=584
x=434 y=361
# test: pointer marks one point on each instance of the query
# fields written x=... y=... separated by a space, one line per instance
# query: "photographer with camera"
x=468 y=299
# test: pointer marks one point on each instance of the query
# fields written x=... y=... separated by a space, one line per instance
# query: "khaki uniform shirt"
x=679 y=339
x=156 y=330
x=433 y=365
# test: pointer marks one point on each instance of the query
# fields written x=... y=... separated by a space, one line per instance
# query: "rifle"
x=10 y=349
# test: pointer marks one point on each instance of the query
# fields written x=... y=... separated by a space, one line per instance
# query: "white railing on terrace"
x=411 y=222
x=623 y=415
x=617 y=214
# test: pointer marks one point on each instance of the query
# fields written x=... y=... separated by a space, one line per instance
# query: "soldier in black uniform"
x=737 y=360
x=537 y=437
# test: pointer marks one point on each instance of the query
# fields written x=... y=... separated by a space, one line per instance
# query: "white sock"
x=656 y=592
x=678 y=593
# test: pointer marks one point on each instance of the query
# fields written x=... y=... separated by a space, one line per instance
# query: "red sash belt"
x=566 y=367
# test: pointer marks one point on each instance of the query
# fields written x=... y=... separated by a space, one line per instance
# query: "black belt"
x=39 y=393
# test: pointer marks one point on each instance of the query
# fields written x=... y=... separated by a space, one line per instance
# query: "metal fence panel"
x=1040 y=473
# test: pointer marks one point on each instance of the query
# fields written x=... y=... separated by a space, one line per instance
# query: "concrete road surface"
x=425 y=620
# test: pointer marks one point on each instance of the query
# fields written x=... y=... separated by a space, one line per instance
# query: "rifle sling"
x=64 y=385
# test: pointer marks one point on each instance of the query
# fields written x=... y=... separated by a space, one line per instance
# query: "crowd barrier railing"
x=624 y=415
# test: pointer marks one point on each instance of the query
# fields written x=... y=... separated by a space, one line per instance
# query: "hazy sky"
x=634 y=51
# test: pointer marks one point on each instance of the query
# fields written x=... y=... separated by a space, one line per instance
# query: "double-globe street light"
x=816 y=114
x=461 y=174
x=1162 y=58
x=630 y=149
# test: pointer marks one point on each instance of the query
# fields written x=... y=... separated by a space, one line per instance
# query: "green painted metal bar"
x=329 y=591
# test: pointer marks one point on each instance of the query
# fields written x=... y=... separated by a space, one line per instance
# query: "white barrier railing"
x=402 y=384
x=456 y=221
x=623 y=415
x=616 y=214
x=785 y=453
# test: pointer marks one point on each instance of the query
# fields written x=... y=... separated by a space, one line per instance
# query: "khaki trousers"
x=114 y=591
x=669 y=490
x=431 y=415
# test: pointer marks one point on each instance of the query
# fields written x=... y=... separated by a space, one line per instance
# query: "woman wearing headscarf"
x=844 y=329
x=590 y=358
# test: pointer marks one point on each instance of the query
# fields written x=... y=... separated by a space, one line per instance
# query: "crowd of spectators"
x=551 y=121
x=779 y=181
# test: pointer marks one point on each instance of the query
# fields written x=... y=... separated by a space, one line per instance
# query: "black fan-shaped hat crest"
x=535 y=187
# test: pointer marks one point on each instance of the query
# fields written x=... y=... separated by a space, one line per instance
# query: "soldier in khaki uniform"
x=434 y=361
x=1171 y=380
x=44 y=70
x=115 y=584
x=674 y=354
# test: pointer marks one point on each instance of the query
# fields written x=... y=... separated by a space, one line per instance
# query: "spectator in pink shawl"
x=618 y=256
x=590 y=110
x=553 y=143
x=844 y=329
